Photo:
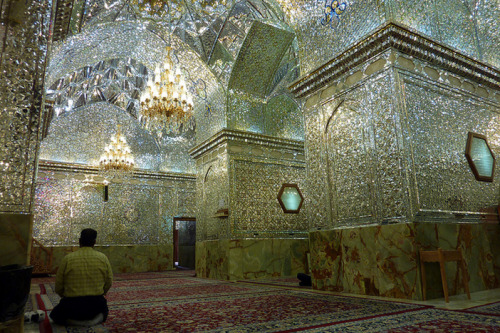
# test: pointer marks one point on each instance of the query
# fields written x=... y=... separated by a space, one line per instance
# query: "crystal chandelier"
x=154 y=6
x=165 y=103
x=117 y=155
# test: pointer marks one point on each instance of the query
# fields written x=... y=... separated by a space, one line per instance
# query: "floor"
x=457 y=302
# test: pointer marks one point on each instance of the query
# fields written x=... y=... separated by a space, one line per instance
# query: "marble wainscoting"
x=480 y=252
x=212 y=259
x=15 y=238
x=127 y=259
x=375 y=260
x=493 y=234
x=383 y=260
x=264 y=258
x=326 y=259
x=239 y=259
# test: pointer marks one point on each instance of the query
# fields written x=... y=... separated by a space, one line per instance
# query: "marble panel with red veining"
x=380 y=260
x=212 y=259
x=265 y=258
x=127 y=259
x=326 y=260
x=383 y=259
x=478 y=250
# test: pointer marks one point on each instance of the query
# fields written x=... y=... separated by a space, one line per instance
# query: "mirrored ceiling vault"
x=111 y=50
x=238 y=57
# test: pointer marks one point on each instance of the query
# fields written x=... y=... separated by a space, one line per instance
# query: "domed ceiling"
x=244 y=48
x=250 y=37
x=238 y=57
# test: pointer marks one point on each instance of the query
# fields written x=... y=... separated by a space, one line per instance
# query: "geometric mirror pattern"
x=290 y=198
x=480 y=157
x=261 y=53
x=117 y=81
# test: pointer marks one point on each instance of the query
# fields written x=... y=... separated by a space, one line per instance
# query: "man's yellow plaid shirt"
x=85 y=272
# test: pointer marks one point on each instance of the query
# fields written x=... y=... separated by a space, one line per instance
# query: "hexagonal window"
x=480 y=157
x=290 y=198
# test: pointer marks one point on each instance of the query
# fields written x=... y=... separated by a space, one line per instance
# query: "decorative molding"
x=397 y=37
x=64 y=8
x=454 y=217
x=50 y=166
x=247 y=138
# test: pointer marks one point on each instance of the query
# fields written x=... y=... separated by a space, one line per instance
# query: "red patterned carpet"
x=427 y=320
x=172 y=302
x=196 y=305
x=488 y=309
x=281 y=281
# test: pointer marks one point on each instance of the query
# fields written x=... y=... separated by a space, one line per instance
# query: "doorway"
x=184 y=242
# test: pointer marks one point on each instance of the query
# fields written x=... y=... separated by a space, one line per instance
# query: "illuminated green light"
x=481 y=156
x=291 y=198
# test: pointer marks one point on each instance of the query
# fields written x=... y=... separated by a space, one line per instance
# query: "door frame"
x=175 y=235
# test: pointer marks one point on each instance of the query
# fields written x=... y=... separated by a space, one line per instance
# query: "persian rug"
x=180 y=303
x=45 y=300
x=425 y=320
x=197 y=305
x=279 y=281
x=488 y=309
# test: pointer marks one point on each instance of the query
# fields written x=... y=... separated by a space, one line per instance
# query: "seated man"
x=82 y=280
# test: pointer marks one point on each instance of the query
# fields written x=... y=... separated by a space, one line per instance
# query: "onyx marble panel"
x=380 y=260
x=127 y=259
x=473 y=241
x=212 y=259
x=383 y=260
x=15 y=238
x=264 y=258
x=492 y=231
x=326 y=259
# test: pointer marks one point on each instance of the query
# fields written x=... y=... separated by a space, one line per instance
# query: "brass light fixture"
x=117 y=155
x=153 y=6
x=165 y=103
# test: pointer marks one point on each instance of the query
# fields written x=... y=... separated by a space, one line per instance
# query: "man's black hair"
x=88 y=237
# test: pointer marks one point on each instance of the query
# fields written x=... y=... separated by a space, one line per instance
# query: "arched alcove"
x=349 y=152
x=81 y=135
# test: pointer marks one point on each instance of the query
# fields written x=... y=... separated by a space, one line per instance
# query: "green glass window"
x=290 y=198
x=480 y=157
